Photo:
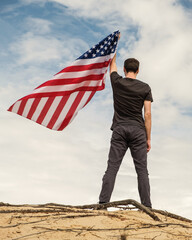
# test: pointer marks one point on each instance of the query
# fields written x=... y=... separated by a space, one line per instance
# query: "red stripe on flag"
x=33 y=108
x=64 y=81
x=45 y=110
x=71 y=110
x=22 y=106
x=10 y=109
x=57 y=112
x=78 y=68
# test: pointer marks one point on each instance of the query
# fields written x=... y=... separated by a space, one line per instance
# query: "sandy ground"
x=66 y=223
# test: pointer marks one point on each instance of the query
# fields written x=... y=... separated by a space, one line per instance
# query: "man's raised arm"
x=113 y=65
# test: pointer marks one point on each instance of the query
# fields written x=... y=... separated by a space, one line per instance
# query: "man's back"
x=129 y=96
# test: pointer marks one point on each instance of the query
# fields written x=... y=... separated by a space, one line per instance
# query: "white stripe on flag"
x=16 y=106
x=65 y=110
x=51 y=110
x=39 y=108
x=28 y=107
x=80 y=73
x=91 y=61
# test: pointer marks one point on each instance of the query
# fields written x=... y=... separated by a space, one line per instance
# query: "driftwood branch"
x=171 y=215
x=143 y=226
x=60 y=216
x=60 y=208
x=32 y=211
x=90 y=229
x=91 y=206
x=122 y=202
x=31 y=235
x=187 y=237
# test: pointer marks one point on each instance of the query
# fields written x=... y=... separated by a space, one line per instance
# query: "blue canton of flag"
x=105 y=47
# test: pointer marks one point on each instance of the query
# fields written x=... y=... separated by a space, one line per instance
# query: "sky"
x=38 y=38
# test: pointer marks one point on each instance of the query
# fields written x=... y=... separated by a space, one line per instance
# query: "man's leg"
x=117 y=151
x=138 y=147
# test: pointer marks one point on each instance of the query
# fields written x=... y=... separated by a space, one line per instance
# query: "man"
x=129 y=128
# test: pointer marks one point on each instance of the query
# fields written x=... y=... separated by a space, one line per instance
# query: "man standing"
x=129 y=128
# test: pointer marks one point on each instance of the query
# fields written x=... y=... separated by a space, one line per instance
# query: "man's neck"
x=131 y=75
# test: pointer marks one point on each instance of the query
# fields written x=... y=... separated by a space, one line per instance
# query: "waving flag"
x=55 y=103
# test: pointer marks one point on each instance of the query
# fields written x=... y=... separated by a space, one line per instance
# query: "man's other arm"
x=147 y=117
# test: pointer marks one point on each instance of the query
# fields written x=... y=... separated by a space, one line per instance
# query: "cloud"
x=38 y=25
x=37 y=49
x=29 y=2
x=39 y=45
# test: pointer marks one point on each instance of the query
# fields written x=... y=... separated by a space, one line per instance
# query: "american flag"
x=55 y=103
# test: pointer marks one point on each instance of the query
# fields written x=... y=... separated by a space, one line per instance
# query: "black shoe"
x=102 y=207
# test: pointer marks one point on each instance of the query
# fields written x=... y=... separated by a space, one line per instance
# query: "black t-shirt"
x=129 y=95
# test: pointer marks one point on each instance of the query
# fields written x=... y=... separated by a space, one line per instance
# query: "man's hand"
x=148 y=145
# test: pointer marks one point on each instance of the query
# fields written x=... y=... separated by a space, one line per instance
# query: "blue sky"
x=39 y=38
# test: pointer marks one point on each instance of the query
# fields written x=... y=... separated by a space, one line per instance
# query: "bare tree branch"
x=58 y=208
x=171 y=215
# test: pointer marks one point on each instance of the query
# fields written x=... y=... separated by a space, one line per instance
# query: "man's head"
x=131 y=65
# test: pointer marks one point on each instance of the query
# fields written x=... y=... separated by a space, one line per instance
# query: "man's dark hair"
x=131 y=65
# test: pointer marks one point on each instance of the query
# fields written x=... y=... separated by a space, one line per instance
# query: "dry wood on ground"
x=129 y=220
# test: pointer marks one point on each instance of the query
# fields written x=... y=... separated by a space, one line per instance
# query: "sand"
x=51 y=222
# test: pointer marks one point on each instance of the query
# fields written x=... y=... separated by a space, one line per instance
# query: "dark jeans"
x=125 y=137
